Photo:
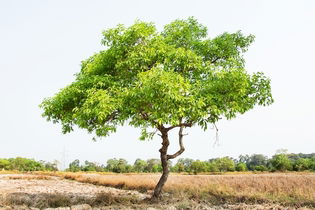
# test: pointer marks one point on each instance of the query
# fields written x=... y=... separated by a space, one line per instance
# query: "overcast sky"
x=43 y=42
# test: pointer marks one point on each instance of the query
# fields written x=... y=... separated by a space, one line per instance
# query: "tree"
x=121 y=166
x=153 y=165
x=91 y=166
x=186 y=163
x=198 y=166
x=176 y=78
x=303 y=164
x=260 y=168
x=112 y=164
x=241 y=167
x=4 y=164
x=25 y=164
x=224 y=164
x=243 y=159
x=178 y=167
x=74 y=166
x=312 y=166
x=140 y=165
x=281 y=162
x=51 y=166
x=212 y=167
x=256 y=160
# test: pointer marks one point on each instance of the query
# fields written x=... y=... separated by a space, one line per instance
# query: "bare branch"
x=181 y=145
x=216 y=142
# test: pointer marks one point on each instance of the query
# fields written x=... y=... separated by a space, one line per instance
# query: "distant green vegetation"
x=255 y=162
x=25 y=164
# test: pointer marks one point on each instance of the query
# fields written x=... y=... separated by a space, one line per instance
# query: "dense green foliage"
x=25 y=164
x=177 y=77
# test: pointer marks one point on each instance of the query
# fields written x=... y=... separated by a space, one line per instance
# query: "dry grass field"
x=229 y=191
x=297 y=189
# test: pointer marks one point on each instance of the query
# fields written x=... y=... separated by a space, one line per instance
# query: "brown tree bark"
x=164 y=160
x=165 y=173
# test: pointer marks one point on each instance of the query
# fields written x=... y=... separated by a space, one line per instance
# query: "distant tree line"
x=255 y=162
x=25 y=164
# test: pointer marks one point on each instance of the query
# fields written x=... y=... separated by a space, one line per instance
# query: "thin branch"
x=215 y=60
x=216 y=142
x=181 y=145
x=218 y=58
x=112 y=116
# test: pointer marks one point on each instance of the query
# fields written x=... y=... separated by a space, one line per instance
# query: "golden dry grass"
x=46 y=200
x=30 y=177
x=9 y=172
x=285 y=188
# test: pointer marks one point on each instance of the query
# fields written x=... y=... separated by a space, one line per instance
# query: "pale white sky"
x=42 y=43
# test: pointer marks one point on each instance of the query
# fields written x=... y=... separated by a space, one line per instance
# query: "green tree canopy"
x=281 y=162
x=241 y=167
x=149 y=79
x=177 y=77
x=4 y=164
x=140 y=165
x=224 y=164
x=74 y=166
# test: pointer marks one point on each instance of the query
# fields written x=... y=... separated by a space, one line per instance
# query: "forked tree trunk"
x=164 y=160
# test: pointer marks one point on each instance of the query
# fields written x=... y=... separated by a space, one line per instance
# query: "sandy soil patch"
x=23 y=183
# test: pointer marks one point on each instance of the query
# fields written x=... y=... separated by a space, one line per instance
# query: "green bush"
x=281 y=162
x=224 y=164
x=241 y=167
x=303 y=164
x=261 y=168
x=4 y=164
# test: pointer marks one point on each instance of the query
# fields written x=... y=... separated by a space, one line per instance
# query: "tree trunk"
x=165 y=157
x=163 y=154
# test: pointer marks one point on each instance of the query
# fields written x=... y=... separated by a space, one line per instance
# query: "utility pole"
x=63 y=158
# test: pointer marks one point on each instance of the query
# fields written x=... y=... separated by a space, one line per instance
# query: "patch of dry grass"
x=45 y=200
x=291 y=188
x=9 y=172
x=30 y=177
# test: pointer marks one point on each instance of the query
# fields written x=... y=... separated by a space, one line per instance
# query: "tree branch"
x=189 y=124
x=181 y=145
x=215 y=60
x=145 y=116
x=218 y=58
x=112 y=116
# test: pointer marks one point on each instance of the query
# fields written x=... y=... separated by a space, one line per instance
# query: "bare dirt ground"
x=23 y=183
x=33 y=192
